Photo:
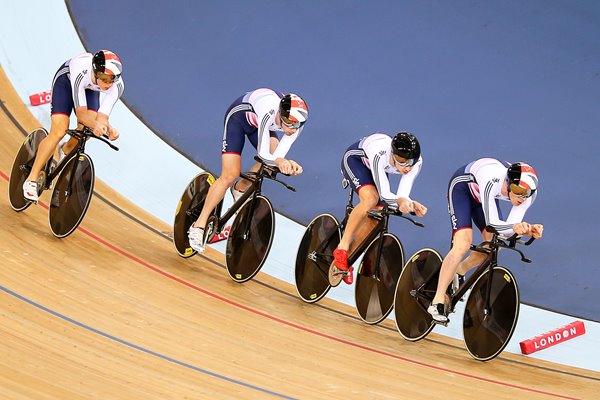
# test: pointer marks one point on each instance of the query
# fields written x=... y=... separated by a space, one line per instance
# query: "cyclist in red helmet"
x=473 y=194
x=366 y=165
x=76 y=86
x=257 y=115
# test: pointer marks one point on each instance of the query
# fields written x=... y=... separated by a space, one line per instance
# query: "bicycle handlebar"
x=498 y=242
x=267 y=171
x=393 y=211
x=86 y=133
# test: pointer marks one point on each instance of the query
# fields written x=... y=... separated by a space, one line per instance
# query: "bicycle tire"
x=486 y=336
x=374 y=290
x=314 y=256
x=25 y=155
x=188 y=209
x=66 y=212
x=413 y=322
x=247 y=251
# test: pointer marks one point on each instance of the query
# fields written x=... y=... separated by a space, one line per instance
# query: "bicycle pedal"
x=335 y=275
x=444 y=323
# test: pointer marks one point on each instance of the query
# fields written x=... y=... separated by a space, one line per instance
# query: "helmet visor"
x=403 y=161
x=520 y=191
x=291 y=124
x=107 y=78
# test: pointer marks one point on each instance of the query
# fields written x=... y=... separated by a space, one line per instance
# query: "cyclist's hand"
x=405 y=206
x=285 y=166
x=296 y=168
x=419 y=208
x=537 y=230
x=522 y=228
x=113 y=133
x=100 y=128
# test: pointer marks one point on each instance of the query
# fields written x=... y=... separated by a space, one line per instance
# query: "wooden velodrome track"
x=112 y=312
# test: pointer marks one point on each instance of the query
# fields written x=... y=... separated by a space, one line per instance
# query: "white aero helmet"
x=293 y=110
x=108 y=63
x=523 y=175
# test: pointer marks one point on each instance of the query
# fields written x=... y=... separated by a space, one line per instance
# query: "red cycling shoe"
x=341 y=263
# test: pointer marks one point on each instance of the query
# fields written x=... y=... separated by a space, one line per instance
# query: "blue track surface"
x=513 y=80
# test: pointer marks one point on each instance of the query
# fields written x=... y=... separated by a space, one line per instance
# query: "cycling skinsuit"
x=253 y=115
x=367 y=162
x=72 y=87
x=474 y=192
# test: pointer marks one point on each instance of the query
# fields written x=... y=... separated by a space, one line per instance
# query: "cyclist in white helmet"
x=473 y=194
x=76 y=86
x=257 y=115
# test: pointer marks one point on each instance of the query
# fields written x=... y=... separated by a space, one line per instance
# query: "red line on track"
x=299 y=327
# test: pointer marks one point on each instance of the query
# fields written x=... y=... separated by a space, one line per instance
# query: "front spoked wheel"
x=375 y=286
x=414 y=292
x=71 y=195
x=314 y=257
x=250 y=239
x=21 y=168
x=488 y=331
x=188 y=210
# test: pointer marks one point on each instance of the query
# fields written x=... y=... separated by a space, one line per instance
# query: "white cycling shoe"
x=30 y=191
x=196 y=239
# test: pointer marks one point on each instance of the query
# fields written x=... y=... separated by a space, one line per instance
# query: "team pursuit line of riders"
x=272 y=122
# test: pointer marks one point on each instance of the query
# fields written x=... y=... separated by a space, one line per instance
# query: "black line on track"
x=167 y=237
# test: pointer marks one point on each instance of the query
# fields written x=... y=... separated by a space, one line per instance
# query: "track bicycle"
x=73 y=189
x=383 y=257
x=491 y=309
x=251 y=234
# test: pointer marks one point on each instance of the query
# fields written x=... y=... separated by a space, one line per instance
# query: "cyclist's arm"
x=285 y=144
x=111 y=96
x=85 y=116
x=265 y=112
x=407 y=181
x=489 y=192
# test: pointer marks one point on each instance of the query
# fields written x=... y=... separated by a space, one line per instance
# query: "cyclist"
x=258 y=115
x=366 y=165
x=473 y=194
x=77 y=85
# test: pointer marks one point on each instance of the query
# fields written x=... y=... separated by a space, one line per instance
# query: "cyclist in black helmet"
x=366 y=165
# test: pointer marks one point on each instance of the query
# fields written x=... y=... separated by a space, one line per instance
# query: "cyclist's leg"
x=460 y=207
x=361 y=180
x=461 y=242
x=474 y=259
x=60 y=123
x=60 y=108
x=241 y=185
x=93 y=104
x=230 y=171
x=356 y=230
x=236 y=126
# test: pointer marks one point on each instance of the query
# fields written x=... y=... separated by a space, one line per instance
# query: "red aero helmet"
x=294 y=108
x=107 y=62
x=523 y=175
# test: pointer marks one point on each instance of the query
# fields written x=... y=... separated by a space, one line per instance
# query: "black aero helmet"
x=407 y=146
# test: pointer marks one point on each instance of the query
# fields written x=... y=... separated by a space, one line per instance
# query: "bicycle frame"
x=491 y=261
x=255 y=189
x=81 y=135
x=381 y=228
